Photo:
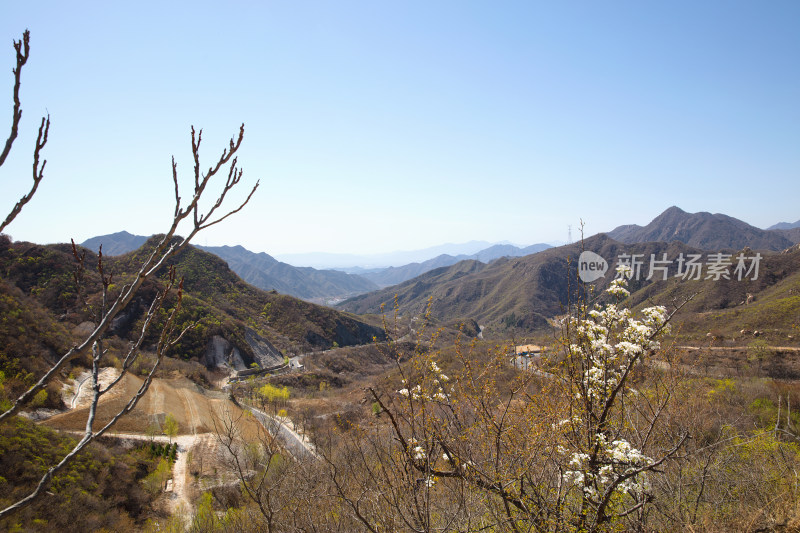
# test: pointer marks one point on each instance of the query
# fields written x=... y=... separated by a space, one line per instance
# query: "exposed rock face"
x=266 y=354
x=221 y=353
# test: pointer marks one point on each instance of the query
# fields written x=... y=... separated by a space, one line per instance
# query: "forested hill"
x=43 y=313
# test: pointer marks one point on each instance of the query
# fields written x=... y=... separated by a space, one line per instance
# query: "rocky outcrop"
x=221 y=353
x=265 y=354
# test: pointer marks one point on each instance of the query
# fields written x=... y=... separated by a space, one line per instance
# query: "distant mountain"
x=524 y=293
x=115 y=243
x=259 y=269
x=344 y=261
x=517 y=293
x=265 y=272
x=395 y=275
x=702 y=230
x=785 y=225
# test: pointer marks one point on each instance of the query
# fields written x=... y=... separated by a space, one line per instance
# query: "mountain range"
x=320 y=286
x=259 y=269
x=394 y=275
x=706 y=231
x=496 y=285
x=264 y=271
x=382 y=260
x=523 y=294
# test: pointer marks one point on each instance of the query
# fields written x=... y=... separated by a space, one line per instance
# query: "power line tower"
x=569 y=234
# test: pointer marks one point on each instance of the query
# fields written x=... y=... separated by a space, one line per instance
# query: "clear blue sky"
x=378 y=126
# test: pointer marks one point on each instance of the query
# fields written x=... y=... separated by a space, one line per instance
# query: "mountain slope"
x=258 y=269
x=395 y=275
x=265 y=272
x=524 y=292
x=238 y=324
x=701 y=230
x=793 y=234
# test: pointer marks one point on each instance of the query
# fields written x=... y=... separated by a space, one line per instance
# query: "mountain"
x=518 y=292
x=395 y=275
x=523 y=293
x=266 y=272
x=258 y=269
x=793 y=234
x=702 y=230
x=115 y=243
x=238 y=324
x=785 y=225
x=383 y=260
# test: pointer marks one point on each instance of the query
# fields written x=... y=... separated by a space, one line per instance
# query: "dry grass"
x=194 y=408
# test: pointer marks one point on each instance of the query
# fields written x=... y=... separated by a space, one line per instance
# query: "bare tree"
x=168 y=246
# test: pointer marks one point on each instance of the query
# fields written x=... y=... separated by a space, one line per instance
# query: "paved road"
x=296 y=445
x=734 y=348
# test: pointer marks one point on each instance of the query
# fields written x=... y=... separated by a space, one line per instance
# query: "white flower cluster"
x=610 y=338
x=416 y=451
x=608 y=342
x=614 y=461
x=438 y=394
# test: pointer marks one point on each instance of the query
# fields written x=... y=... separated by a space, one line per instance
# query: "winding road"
x=294 y=443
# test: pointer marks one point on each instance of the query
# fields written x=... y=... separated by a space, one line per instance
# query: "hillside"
x=394 y=275
x=258 y=269
x=194 y=408
x=238 y=324
x=522 y=293
x=793 y=234
x=702 y=230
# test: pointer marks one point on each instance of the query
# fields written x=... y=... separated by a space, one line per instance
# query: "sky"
x=381 y=126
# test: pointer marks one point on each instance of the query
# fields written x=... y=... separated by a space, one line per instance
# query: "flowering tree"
x=609 y=473
x=564 y=447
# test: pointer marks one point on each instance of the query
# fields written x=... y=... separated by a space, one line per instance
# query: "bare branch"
x=38 y=172
x=163 y=250
x=23 y=50
x=166 y=341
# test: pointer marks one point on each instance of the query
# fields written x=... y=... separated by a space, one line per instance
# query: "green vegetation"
x=99 y=489
x=170 y=427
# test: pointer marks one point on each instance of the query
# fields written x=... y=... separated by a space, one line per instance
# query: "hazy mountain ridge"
x=785 y=225
x=395 y=275
x=382 y=260
x=259 y=269
x=523 y=293
x=702 y=230
x=266 y=272
x=115 y=243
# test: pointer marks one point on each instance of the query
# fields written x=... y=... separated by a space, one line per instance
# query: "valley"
x=260 y=370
